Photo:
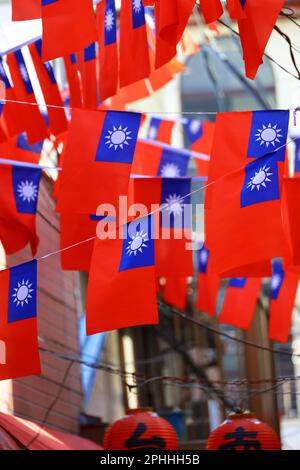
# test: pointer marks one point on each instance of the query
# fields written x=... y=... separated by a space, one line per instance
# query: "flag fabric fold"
x=23 y=10
x=72 y=73
x=211 y=10
x=175 y=292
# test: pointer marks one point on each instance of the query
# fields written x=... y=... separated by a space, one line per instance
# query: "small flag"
x=208 y=285
x=10 y=110
x=160 y=130
x=17 y=148
x=87 y=66
x=72 y=72
x=200 y=135
x=23 y=10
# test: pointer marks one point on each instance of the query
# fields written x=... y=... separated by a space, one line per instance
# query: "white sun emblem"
x=275 y=282
x=137 y=243
x=268 y=135
x=195 y=126
x=118 y=137
x=22 y=293
x=260 y=179
x=137 y=6
x=175 y=204
x=27 y=191
x=109 y=20
x=170 y=170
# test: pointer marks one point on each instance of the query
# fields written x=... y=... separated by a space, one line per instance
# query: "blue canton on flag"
x=193 y=129
x=47 y=65
x=138 y=13
x=23 y=144
x=110 y=25
x=23 y=71
x=238 y=282
x=261 y=182
x=277 y=279
x=173 y=164
x=26 y=183
x=268 y=133
x=89 y=52
x=153 y=128
x=176 y=203
x=3 y=76
x=138 y=244
x=22 y=297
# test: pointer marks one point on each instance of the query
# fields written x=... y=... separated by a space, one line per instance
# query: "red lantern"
x=242 y=431
x=141 y=429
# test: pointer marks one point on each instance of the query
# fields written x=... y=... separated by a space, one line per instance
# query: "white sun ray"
x=269 y=135
x=170 y=170
x=22 y=293
x=109 y=20
x=118 y=137
x=137 y=243
x=260 y=178
x=137 y=6
x=27 y=191
x=175 y=204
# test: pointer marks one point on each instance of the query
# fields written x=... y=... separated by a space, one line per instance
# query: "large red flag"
x=19 y=354
x=97 y=160
x=240 y=302
x=121 y=289
x=255 y=30
x=211 y=9
x=175 y=292
x=108 y=52
x=244 y=197
x=26 y=10
x=208 y=285
x=68 y=26
x=284 y=288
x=72 y=72
x=134 y=53
x=171 y=17
x=57 y=117
x=88 y=72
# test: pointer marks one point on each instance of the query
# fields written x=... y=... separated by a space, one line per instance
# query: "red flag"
x=134 y=53
x=68 y=26
x=72 y=73
x=30 y=115
x=240 y=302
x=98 y=166
x=160 y=130
x=255 y=30
x=244 y=200
x=284 y=288
x=18 y=205
x=19 y=354
x=88 y=68
x=200 y=135
x=171 y=17
x=211 y=9
x=17 y=148
x=57 y=117
x=122 y=289
x=291 y=212
x=108 y=52
x=175 y=292
x=208 y=285
x=26 y=10
x=235 y=9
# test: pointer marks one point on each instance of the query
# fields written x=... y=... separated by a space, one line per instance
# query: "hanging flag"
x=134 y=53
x=284 y=286
x=17 y=148
x=125 y=266
x=235 y=9
x=98 y=166
x=88 y=72
x=57 y=117
x=26 y=10
x=211 y=10
x=33 y=121
x=291 y=210
x=297 y=157
x=240 y=302
x=200 y=135
x=171 y=17
x=208 y=285
x=72 y=73
x=68 y=26
x=175 y=292
x=18 y=205
x=160 y=130
x=255 y=30
x=244 y=197
x=108 y=53
x=10 y=111
x=19 y=354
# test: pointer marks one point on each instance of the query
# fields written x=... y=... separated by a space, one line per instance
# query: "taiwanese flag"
x=108 y=51
x=10 y=111
x=18 y=148
x=134 y=53
x=72 y=72
x=255 y=30
x=244 y=197
x=29 y=115
x=235 y=9
x=171 y=17
x=87 y=66
x=291 y=208
x=211 y=9
x=97 y=160
x=200 y=135
x=240 y=302
x=160 y=130
x=26 y=10
x=208 y=285
x=173 y=254
x=19 y=354
x=68 y=26
x=57 y=117
x=18 y=205
x=76 y=228
x=284 y=286
x=122 y=289
x=175 y=292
